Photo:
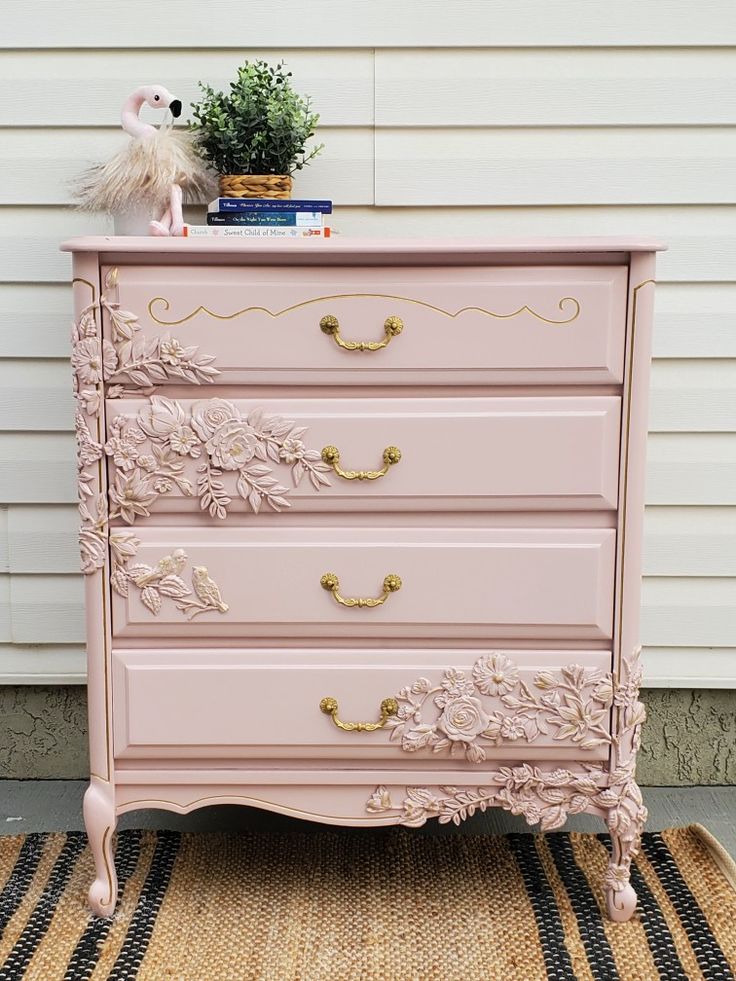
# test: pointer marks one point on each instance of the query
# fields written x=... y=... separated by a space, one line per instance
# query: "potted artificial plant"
x=255 y=135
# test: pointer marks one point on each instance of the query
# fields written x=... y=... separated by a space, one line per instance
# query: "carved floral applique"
x=132 y=358
x=549 y=797
x=573 y=704
x=236 y=453
x=164 y=580
x=87 y=376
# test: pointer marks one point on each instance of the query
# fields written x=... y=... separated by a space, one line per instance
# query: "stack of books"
x=264 y=217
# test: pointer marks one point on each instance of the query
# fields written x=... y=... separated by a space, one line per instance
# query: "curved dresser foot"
x=620 y=905
x=100 y=822
x=625 y=820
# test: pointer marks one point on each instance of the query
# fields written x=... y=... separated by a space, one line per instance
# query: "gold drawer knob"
x=392 y=327
x=330 y=582
x=389 y=707
x=331 y=455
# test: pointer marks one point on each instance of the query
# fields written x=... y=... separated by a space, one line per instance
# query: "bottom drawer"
x=450 y=706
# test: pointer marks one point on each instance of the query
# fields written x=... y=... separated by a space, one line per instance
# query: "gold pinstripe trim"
x=383 y=296
x=624 y=492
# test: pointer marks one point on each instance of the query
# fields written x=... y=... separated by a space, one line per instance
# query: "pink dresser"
x=361 y=529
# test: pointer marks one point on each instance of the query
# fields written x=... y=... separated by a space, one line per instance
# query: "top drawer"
x=306 y=325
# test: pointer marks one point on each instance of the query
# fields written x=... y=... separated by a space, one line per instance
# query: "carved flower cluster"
x=570 y=704
x=162 y=580
x=548 y=797
x=89 y=360
x=133 y=358
x=150 y=455
x=129 y=358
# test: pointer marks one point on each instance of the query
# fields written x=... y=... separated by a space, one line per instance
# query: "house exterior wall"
x=473 y=118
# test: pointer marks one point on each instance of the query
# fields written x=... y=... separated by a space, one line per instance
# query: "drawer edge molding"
x=496 y=705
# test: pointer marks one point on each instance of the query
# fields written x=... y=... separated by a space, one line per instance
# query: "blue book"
x=268 y=204
x=301 y=219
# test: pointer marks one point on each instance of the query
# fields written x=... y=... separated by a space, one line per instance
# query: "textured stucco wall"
x=690 y=737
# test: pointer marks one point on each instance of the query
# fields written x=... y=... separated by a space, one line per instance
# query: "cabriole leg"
x=626 y=823
x=100 y=821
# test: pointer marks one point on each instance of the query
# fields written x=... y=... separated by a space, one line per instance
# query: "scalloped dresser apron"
x=361 y=528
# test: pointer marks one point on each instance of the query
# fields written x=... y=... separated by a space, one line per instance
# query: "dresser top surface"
x=341 y=247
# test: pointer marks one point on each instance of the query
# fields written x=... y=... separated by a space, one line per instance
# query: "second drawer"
x=543 y=583
x=362 y=453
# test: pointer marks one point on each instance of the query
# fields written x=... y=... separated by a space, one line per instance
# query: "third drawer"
x=536 y=583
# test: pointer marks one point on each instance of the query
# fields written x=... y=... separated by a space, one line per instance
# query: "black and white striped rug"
x=365 y=906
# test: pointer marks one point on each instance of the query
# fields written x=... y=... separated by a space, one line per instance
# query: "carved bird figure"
x=207 y=590
x=169 y=565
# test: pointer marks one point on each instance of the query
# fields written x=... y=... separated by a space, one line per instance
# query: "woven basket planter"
x=255 y=186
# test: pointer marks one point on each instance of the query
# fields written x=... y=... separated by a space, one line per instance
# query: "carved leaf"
x=119 y=582
x=173 y=586
x=151 y=599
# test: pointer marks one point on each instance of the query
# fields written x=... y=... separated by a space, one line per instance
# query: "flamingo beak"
x=175 y=108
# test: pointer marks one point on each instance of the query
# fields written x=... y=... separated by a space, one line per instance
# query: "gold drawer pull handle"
x=331 y=455
x=389 y=707
x=330 y=582
x=392 y=326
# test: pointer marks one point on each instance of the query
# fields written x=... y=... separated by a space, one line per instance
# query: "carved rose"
x=161 y=417
x=232 y=445
x=495 y=674
x=209 y=415
x=463 y=719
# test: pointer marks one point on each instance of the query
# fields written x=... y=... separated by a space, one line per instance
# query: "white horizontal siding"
x=89 y=88
x=560 y=87
x=552 y=165
x=479 y=118
x=378 y=24
x=346 y=172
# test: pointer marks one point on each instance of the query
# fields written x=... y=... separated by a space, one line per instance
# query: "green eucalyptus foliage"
x=260 y=127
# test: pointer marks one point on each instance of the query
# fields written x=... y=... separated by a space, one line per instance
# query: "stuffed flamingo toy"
x=154 y=170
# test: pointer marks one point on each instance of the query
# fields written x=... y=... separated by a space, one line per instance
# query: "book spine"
x=301 y=219
x=252 y=231
x=269 y=204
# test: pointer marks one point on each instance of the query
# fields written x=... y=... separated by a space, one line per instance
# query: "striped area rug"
x=365 y=906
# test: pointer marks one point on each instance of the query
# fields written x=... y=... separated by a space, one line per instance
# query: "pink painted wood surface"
x=192 y=703
x=457 y=453
x=231 y=722
x=461 y=250
x=541 y=324
x=501 y=582
x=86 y=290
